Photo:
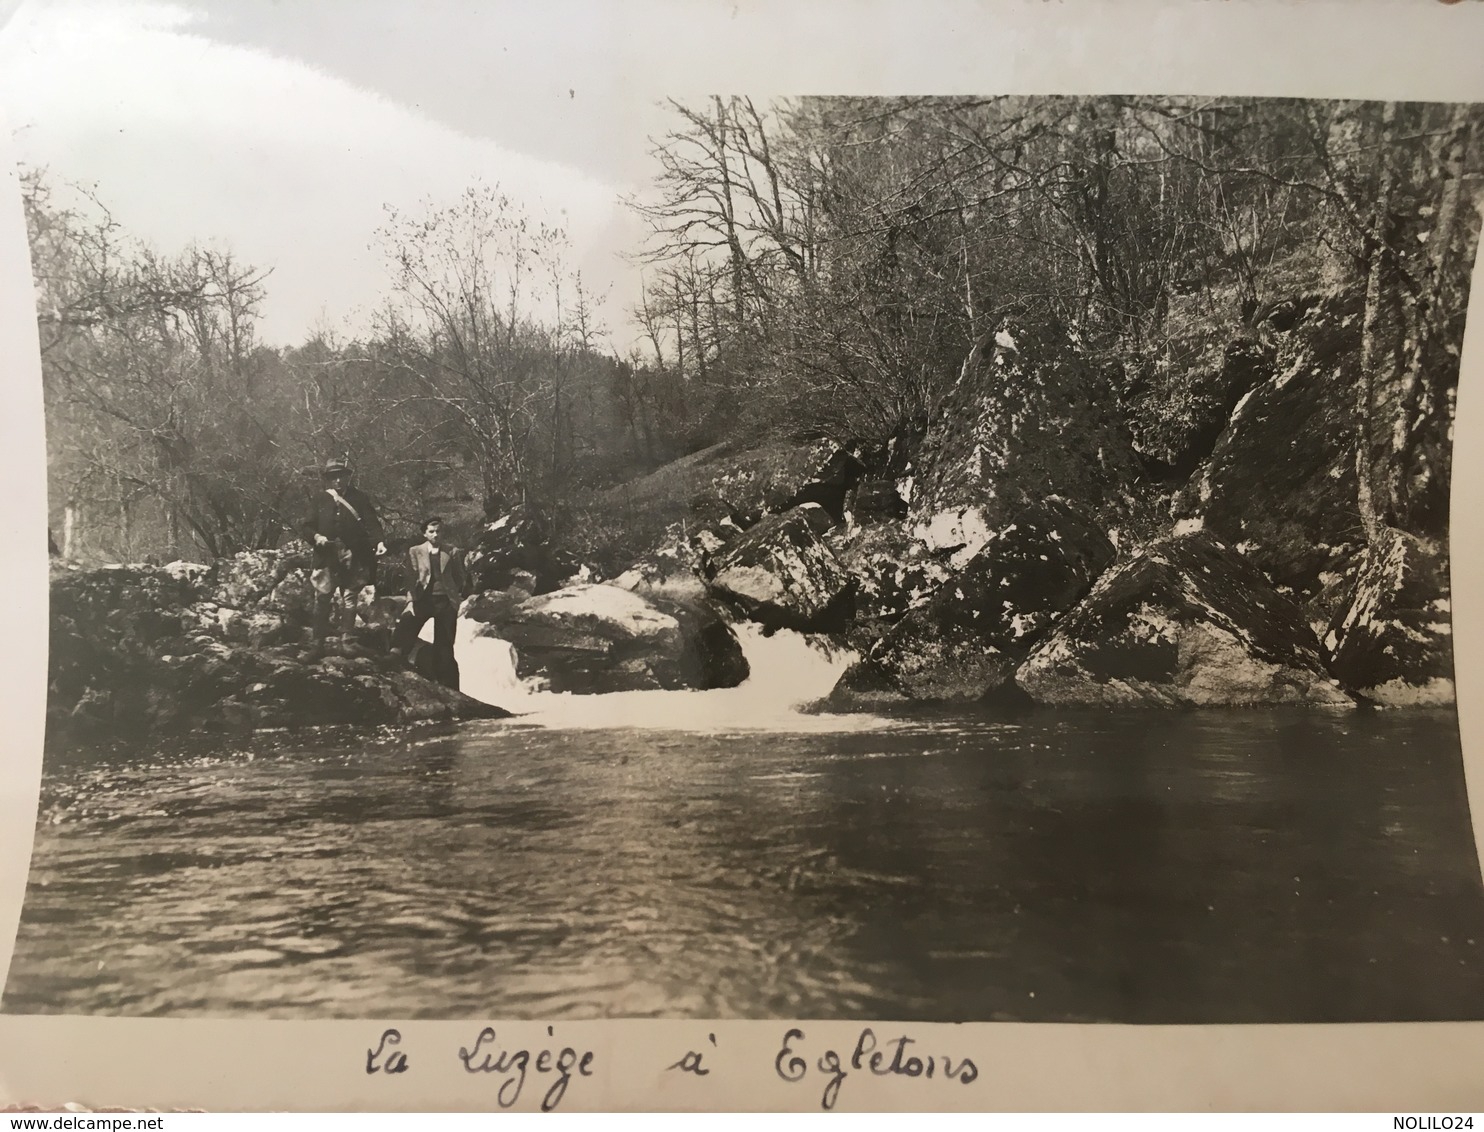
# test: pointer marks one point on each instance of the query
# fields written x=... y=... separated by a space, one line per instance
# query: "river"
x=720 y=855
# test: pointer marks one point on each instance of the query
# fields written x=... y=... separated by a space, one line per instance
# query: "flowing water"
x=719 y=855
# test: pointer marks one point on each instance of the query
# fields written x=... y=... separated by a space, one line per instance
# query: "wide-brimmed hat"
x=335 y=468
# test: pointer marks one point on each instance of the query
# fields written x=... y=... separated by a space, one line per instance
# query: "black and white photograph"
x=532 y=552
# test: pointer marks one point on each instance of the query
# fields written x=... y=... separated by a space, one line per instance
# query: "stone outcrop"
x=139 y=651
x=590 y=639
x=1185 y=622
x=1392 y=640
x=891 y=573
x=1027 y=418
x=965 y=642
x=1177 y=425
x=783 y=575
x=1280 y=483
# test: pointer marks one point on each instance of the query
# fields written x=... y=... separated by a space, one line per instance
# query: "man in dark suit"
x=438 y=585
x=347 y=537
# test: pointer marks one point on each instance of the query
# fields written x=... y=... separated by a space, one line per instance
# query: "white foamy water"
x=788 y=670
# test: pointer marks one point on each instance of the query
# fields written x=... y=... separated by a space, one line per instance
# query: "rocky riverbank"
x=1021 y=546
x=1058 y=535
x=139 y=651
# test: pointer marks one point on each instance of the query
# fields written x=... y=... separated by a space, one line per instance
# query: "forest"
x=816 y=268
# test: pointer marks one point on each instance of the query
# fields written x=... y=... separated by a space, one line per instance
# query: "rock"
x=195 y=574
x=245 y=579
x=519 y=541
x=721 y=489
x=830 y=482
x=493 y=607
x=341 y=691
x=706 y=511
x=712 y=648
x=258 y=627
x=1027 y=419
x=968 y=639
x=1185 y=622
x=293 y=597
x=667 y=576
x=232 y=623
x=380 y=611
x=1178 y=421
x=892 y=572
x=879 y=500
x=781 y=574
x=864 y=685
x=1280 y=484
x=591 y=639
x=885 y=485
x=348 y=665
x=319 y=693
x=136 y=653
x=409 y=696
x=1393 y=639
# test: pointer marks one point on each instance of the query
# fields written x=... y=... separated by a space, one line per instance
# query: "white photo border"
x=1396 y=49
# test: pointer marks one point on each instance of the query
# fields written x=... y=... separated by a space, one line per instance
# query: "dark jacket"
x=359 y=535
x=451 y=581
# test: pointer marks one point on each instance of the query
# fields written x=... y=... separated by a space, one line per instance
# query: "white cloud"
x=190 y=139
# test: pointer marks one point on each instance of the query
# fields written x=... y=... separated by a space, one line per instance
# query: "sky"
x=282 y=132
x=282 y=128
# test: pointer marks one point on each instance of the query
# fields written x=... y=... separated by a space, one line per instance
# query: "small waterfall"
x=788 y=670
x=487 y=668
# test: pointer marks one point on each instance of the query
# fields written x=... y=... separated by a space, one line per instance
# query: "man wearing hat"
x=347 y=537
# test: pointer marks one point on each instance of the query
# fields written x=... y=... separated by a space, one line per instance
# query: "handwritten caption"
x=556 y=1069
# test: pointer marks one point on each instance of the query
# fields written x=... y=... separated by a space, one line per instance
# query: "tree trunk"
x=1378 y=342
x=1441 y=241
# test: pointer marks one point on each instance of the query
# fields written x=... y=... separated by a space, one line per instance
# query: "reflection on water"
x=1253 y=866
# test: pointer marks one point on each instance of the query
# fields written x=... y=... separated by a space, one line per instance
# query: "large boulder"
x=1280 y=483
x=967 y=640
x=591 y=639
x=1184 y=622
x=1027 y=418
x=1392 y=640
x=350 y=690
x=782 y=574
x=678 y=569
x=891 y=571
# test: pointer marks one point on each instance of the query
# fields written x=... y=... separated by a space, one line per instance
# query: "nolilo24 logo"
x=1431 y=1123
